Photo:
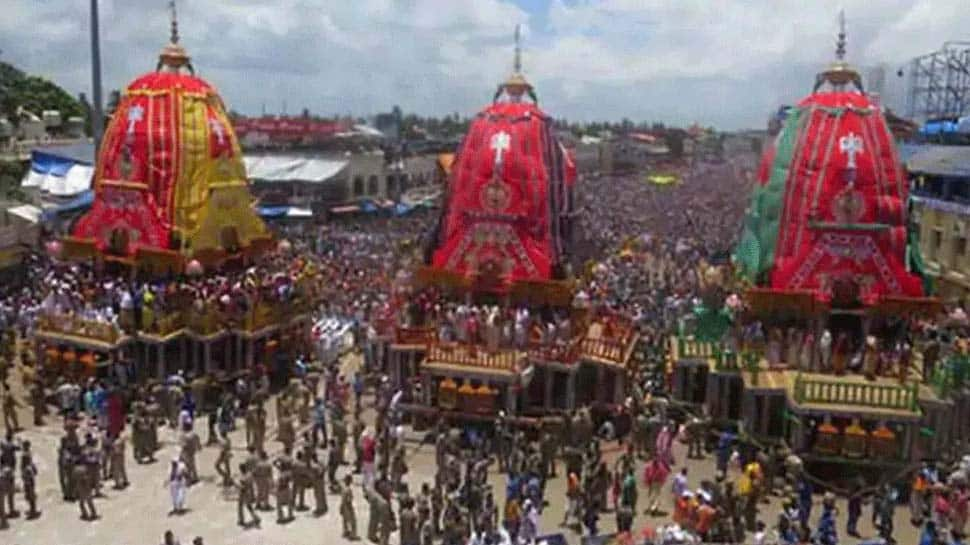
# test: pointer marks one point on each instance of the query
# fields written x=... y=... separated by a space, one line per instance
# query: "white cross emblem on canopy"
x=135 y=114
x=851 y=145
x=500 y=143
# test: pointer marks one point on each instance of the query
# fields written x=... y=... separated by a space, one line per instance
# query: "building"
x=940 y=203
x=336 y=181
x=286 y=132
x=19 y=233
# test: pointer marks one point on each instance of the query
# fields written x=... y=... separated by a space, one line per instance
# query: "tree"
x=34 y=94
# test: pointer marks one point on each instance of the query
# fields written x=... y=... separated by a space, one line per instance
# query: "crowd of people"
x=641 y=257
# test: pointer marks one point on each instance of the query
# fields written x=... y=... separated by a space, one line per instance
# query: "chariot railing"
x=881 y=396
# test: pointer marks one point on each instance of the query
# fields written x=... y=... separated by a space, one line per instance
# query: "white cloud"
x=728 y=62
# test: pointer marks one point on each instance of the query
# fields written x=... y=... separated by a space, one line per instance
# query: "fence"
x=69 y=324
x=724 y=359
x=606 y=349
x=455 y=354
x=849 y=393
x=415 y=335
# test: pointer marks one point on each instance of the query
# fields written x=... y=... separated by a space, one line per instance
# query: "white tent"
x=281 y=168
x=60 y=183
x=28 y=212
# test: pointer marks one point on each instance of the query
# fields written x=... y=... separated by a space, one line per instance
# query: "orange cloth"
x=682 y=511
x=705 y=518
x=572 y=485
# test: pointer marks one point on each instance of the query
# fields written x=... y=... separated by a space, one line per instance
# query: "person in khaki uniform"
x=284 y=489
x=259 y=435
x=303 y=398
x=319 y=477
x=399 y=468
x=222 y=462
x=191 y=445
x=10 y=405
x=84 y=487
x=302 y=477
x=409 y=523
x=247 y=496
x=252 y=421
x=286 y=432
x=348 y=515
x=6 y=486
x=38 y=402
x=117 y=463
x=154 y=411
x=380 y=522
x=356 y=432
x=28 y=476
x=263 y=475
x=91 y=457
x=339 y=427
x=141 y=438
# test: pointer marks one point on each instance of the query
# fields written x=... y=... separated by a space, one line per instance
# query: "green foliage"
x=11 y=173
x=34 y=94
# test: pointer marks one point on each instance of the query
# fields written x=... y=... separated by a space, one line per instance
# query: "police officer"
x=302 y=479
x=117 y=463
x=319 y=477
x=28 y=476
x=191 y=444
x=10 y=405
x=284 y=489
x=6 y=485
x=223 y=468
x=247 y=496
x=339 y=428
x=286 y=432
x=38 y=402
x=409 y=523
x=348 y=515
x=84 y=486
x=263 y=475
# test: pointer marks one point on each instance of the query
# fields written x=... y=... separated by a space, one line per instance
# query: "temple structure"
x=172 y=196
x=170 y=185
x=507 y=220
x=500 y=253
x=817 y=358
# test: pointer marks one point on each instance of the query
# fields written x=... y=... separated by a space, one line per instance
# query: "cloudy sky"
x=718 y=62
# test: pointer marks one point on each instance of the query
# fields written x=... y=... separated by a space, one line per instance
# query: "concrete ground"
x=139 y=513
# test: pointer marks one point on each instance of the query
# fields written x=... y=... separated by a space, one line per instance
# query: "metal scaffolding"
x=939 y=83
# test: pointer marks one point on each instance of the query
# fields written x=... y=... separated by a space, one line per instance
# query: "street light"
x=97 y=115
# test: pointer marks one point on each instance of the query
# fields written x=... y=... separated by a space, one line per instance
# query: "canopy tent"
x=272 y=211
x=277 y=212
x=281 y=168
x=58 y=171
x=80 y=202
x=28 y=212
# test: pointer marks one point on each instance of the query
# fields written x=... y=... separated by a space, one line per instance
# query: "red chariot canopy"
x=508 y=192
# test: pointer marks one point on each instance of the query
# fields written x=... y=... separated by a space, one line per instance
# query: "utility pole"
x=97 y=112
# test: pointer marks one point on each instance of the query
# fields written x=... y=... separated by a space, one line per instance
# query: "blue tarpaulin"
x=272 y=211
x=368 y=207
x=940 y=127
x=61 y=171
x=401 y=209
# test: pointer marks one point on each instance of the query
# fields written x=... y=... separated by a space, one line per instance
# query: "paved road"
x=138 y=514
